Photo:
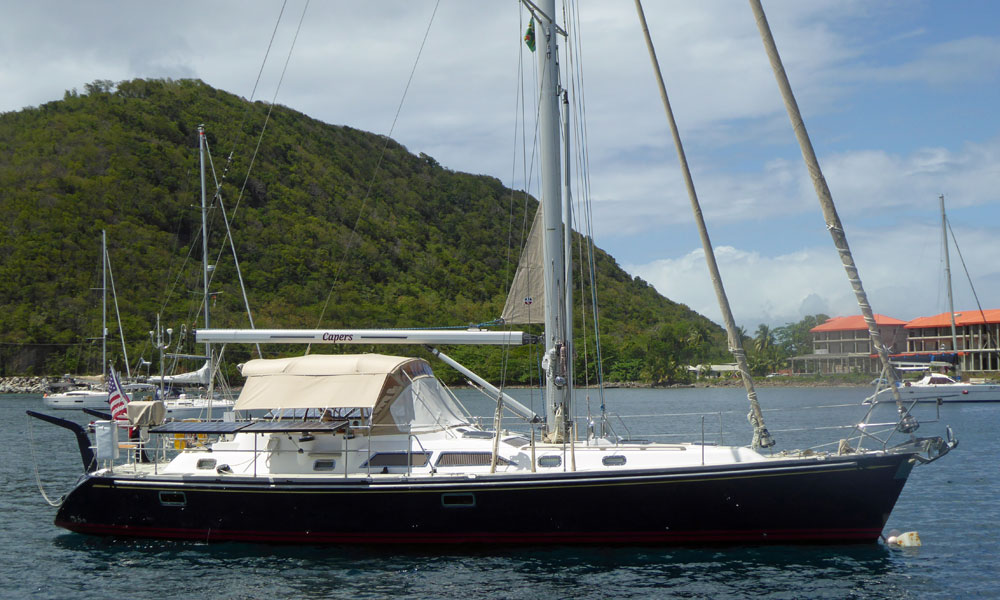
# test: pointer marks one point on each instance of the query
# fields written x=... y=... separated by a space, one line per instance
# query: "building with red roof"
x=843 y=345
x=974 y=346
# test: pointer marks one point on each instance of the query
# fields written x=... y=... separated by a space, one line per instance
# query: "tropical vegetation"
x=333 y=227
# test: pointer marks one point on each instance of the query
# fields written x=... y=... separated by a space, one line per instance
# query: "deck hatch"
x=397 y=459
x=468 y=459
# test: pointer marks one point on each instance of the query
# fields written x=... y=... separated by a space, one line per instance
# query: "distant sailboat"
x=938 y=387
x=197 y=405
x=91 y=398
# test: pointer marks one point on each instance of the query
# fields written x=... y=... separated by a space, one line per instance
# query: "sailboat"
x=374 y=449
x=90 y=398
x=194 y=405
x=939 y=387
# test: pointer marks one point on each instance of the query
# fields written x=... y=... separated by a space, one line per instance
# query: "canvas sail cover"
x=526 y=300
x=402 y=393
x=199 y=377
x=146 y=413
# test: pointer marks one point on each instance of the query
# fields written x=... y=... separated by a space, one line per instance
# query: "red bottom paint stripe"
x=576 y=537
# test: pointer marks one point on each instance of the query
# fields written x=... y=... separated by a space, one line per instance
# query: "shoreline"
x=26 y=385
x=44 y=385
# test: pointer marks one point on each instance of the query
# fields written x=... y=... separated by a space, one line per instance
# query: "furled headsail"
x=526 y=300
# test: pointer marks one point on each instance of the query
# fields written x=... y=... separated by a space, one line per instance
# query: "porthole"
x=205 y=463
x=615 y=460
x=550 y=461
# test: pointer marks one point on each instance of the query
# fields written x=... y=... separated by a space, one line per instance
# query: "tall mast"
x=947 y=277
x=104 y=307
x=204 y=250
x=556 y=392
x=568 y=253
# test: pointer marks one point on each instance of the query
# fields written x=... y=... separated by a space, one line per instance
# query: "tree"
x=764 y=340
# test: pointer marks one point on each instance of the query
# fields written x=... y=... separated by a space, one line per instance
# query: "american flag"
x=117 y=398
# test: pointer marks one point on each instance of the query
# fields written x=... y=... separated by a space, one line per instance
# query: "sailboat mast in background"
x=947 y=277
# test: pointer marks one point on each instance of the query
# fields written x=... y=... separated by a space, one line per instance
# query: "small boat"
x=187 y=396
x=192 y=395
x=76 y=400
x=938 y=387
x=91 y=398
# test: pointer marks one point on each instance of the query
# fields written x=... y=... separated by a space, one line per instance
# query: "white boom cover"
x=199 y=377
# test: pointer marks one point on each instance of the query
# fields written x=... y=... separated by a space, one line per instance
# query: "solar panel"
x=217 y=427
x=221 y=427
x=313 y=425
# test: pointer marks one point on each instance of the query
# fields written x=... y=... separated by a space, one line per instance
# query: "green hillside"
x=430 y=248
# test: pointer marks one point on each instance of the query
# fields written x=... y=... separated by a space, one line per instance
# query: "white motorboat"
x=938 y=387
x=77 y=400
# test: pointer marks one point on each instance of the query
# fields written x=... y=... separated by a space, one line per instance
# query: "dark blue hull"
x=832 y=500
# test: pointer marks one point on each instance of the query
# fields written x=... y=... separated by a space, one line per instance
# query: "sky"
x=900 y=98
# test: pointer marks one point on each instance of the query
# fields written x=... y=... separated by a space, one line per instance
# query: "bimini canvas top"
x=323 y=381
x=402 y=393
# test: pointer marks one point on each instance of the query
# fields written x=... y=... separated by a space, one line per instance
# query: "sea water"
x=953 y=503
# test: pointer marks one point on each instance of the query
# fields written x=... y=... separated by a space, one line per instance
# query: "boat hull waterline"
x=839 y=499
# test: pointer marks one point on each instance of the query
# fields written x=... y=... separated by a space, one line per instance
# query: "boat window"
x=550 y=461
x=397 y=459
x=468 y=459
x=205 y=463
x=324 y=464
x=615 y=460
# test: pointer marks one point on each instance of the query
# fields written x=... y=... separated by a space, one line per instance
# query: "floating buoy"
x=903 y=540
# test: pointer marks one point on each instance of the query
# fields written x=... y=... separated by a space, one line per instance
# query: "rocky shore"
x=25 y=385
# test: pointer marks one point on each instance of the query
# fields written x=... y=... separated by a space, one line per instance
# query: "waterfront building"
x=842 y=344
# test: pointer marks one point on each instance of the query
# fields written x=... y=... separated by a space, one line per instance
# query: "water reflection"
x=253 y=570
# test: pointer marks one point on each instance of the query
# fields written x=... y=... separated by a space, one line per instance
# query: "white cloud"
x=352 y=61
x=901 y=268
x=761 y=289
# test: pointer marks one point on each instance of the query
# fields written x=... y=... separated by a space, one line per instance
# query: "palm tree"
x=765 y=339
